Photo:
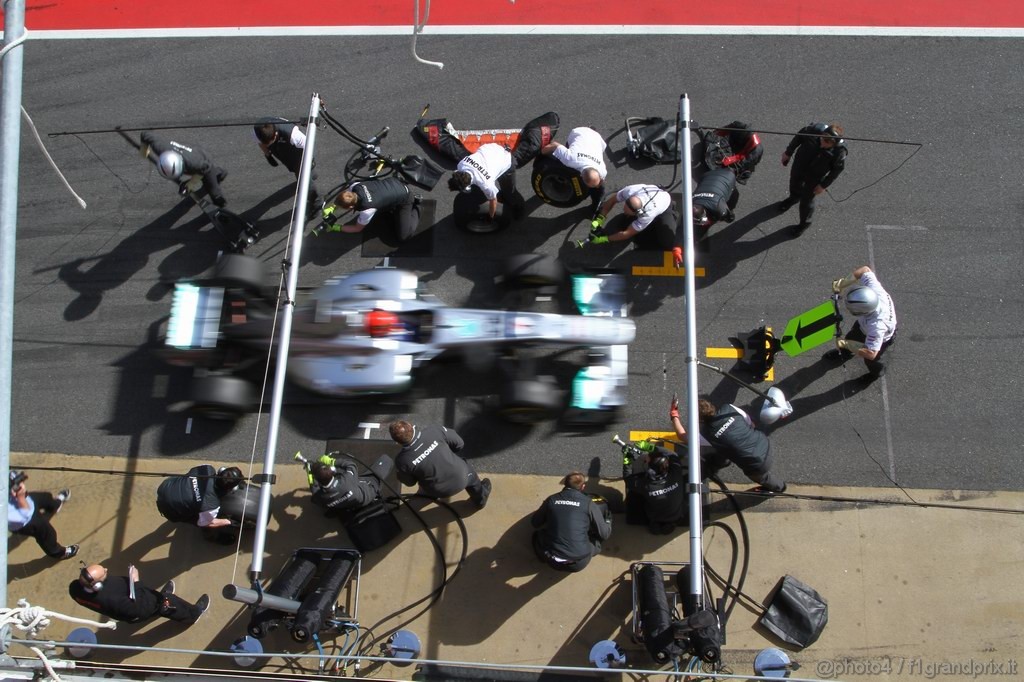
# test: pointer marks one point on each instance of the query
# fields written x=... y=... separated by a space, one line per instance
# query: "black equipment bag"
x=654 y=140
x=372 y=526
x=796 y=614
x=421 y=172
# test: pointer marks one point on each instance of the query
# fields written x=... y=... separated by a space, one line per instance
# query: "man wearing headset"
x=714 y=199
x=189 y=166
x=125 y=599
x=658 y=479
x=654 y=222
x=197 y=496
x=570 y=526
x=368 y=198
x=820 y=156
x=875 y=329
x=338 y=486
x=281 y=141
x=430 y=457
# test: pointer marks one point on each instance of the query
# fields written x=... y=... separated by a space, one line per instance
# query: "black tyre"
x=235 y=271
x=530 y=270
x=470 y=213
x=530 y=401
x=222 y=397
x=241 y=504
x=557 y=184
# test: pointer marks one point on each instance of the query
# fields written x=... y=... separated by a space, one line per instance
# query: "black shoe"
x=168 y=588
x=784 y=205
x=69 y=551
x=797 y=230
x=62 y=497
x=203 y=604
x=481 y=501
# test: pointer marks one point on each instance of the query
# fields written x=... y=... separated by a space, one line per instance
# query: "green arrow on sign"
x=810 y=329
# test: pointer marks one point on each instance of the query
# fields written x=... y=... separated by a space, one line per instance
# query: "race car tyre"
x=557 y=184
x=470 y=213
x=221 y=397
x=530 y=401
x=235 y=271
x=530 y=270
x=241 y=504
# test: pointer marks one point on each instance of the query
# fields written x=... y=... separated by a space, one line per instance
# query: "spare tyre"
x=557 y=184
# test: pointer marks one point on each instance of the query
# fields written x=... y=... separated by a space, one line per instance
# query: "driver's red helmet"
x=380 y=322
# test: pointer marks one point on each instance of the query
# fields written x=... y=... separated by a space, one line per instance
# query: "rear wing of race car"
x=599 y=389
x=194 y=324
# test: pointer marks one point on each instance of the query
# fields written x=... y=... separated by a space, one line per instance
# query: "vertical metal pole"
x=10 y=149
x=692 y=423
x=292 y=264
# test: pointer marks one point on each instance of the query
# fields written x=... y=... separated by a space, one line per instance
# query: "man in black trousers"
x=125 y=599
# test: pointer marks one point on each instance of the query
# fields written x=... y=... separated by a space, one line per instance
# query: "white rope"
x=34 y=619
x=417 y=28
x=39 y=141
x=46 y=664
x=13 y=44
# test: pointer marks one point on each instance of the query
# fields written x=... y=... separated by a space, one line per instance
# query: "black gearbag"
x=796 y=614
x=372 y=526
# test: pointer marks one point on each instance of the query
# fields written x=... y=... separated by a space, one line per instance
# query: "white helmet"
x=170 y=165
x=861 y=301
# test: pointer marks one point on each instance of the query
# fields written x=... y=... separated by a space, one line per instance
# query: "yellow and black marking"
x=652 y=435
x=666 y=269
x=733 y=353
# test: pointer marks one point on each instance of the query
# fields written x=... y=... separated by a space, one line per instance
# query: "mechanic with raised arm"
x=197 y=496
x=654 y=222
x=30 y=513
x=370 y=197
x=819 y=156
x=714 y=199
x=583 y=151
x=875 y=329
x=429 y=457
x=283 y=142
x=338 y=485
x=189 y=166
x=733 y=438
x=127 y=600
x=491 y=169
x=570 y=526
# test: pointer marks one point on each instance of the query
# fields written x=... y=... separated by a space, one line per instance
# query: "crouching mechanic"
x=875 y=329
x=654 y=220
x=491 y=169
x=197 y=497
x=337 y=485
x=732 y=435
x=714 y=199
x=570 y=526
x=583 y=151
x=188 y=166
x=656 y=485
x=370 y=197
x=284 y=142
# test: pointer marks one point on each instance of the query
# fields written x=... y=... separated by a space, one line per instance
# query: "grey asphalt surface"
x=942 y=232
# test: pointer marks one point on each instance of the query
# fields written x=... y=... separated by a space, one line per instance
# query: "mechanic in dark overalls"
x=368 y=197
x=662 y=488
x=428 y=458
x=714 y=199
x=337 y=485
x=820 y=156
x=197 y=496
x=571 y=526
x=283 y=142
x=176 y=160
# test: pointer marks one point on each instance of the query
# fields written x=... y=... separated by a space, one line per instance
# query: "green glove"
x=599 y=239
x=645 y=445
x=597 y=223
x=327 y=460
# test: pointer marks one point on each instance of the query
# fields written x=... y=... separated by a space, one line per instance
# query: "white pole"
x=292 y=265
x=692 y=423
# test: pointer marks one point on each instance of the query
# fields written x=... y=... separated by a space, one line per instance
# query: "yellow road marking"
x=643 y=435
x=667 y=269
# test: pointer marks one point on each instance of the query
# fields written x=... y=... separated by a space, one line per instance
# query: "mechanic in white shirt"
x=654 y=221
x=490 y=169
x=875 y=329
x=583 y=151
